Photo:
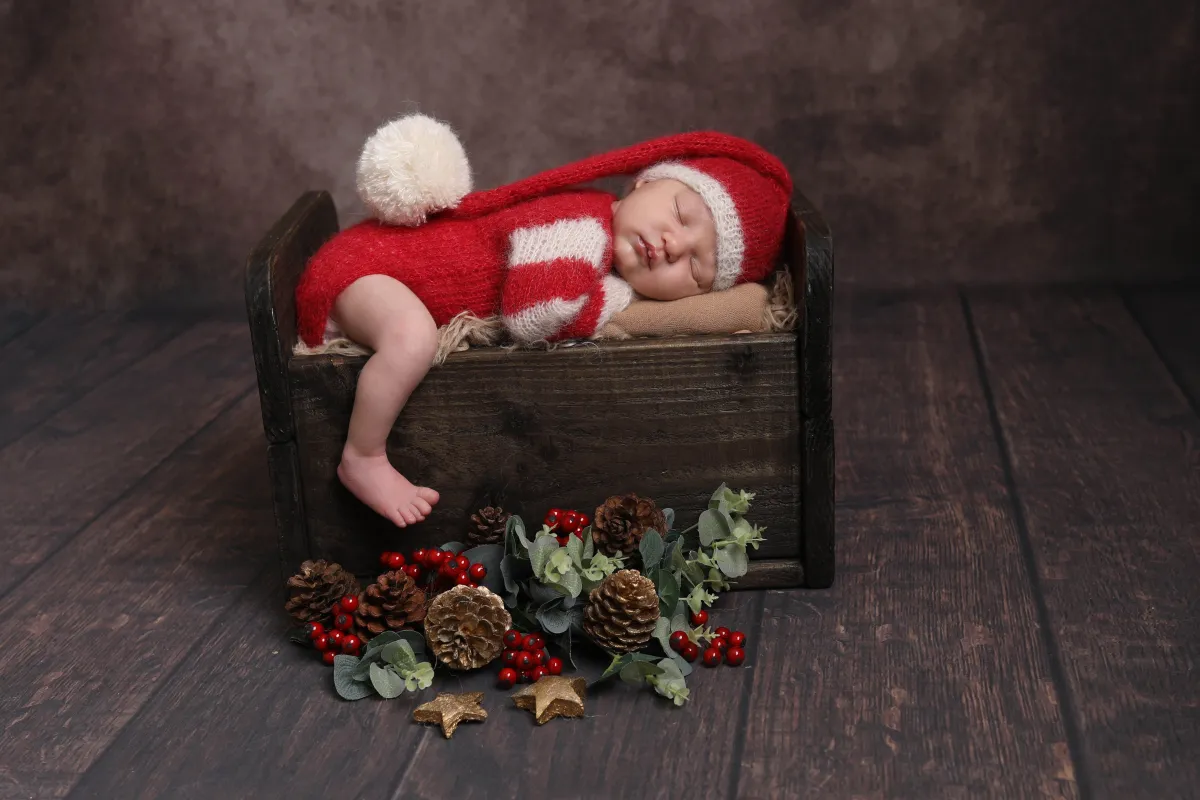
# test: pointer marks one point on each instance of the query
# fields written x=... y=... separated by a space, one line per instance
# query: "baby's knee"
x=414 y=337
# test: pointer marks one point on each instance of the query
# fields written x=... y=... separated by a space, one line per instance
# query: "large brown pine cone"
x=487 y=526
x=621 y=612
x=465 y=626
x=391 y=603
x=619 y=524
x=315 y=588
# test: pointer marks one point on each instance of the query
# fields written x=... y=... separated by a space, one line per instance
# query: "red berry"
x=420 y=555
x=584 y=520
x=350 y=602
x=509 y=658
x=570 y=521
x=735 y=656
x=690 y=651
x=463 y=563
x=533 y=642
x=396 y=561
x=554 y=666
x=513 y=638
x=722 y=632
x=328 y=656
x=385 y=558
x=553 y=516
x=700 y=617
x=343 y=622
x=463 y=579
x=525 y=661
x=448 y=569
x=321 y=642
x=712 y=657
x=539 y=658
x=737 y=639
x=538 y=673
x=523 y=676
x=478 y=572
x=313 y=629
x=506 y=678
x=562 y=541
x=351 y=645
x=678 y=640
x=413 y=571
x=434 y=557
x=720 y=643
x=335 y=638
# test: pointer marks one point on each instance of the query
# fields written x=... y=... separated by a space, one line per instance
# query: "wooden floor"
x=1016 y=612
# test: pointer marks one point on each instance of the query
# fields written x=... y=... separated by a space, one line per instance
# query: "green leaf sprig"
x=393 y=663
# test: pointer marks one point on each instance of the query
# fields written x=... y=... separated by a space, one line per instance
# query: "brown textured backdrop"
x=145 y=146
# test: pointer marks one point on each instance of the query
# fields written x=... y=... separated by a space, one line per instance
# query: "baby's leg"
x=384 y=314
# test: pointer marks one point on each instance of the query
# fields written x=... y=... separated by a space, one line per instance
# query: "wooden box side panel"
x=672 y=418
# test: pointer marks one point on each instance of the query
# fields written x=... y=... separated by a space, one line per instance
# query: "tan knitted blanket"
x=747 y=308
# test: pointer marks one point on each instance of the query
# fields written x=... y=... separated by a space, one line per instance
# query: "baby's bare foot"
x=374 y=481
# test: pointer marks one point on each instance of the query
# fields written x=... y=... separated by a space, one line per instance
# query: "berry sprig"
x=337 y=638
x=435 y=569
x=724 y=644
x=525 y=659
x=565 y=522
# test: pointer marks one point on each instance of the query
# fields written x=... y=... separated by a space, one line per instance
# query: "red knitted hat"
x=415 y=166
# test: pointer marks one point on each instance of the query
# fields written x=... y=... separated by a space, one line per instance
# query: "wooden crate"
x=670 y=418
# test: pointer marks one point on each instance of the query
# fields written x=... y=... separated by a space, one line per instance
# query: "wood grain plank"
x=65 y=356
x=1104 y=457
x=63 y=474
x=631 y=743
x=1171 y=318
x=107 y=618
x=921 y=673
x=673 y=418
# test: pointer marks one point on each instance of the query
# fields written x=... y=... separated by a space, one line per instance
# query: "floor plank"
x=1103 y=451
x=65 y=356
x=921 y=673
x=1171 y=318
x=106 y=619
x=60 y=476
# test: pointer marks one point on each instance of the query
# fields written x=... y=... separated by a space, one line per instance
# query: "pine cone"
x=315 y=588
x=465 y=626
x=619 y=524
x=488 y=526
x=622 y=611
x=391 y=603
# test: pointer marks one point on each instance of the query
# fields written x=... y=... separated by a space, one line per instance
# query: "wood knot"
x=743 y=361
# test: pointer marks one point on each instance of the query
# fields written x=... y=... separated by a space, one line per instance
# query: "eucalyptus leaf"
x=732 y=561
x=490 y=555
x=564 y=644
x=541 y=594
x=575 y=550
x=343 y=678
x=416 y=640
x=386 y=681
x=454 y=547
x=554 y=620
x=523 y=619
x=377 y=643
x=577 y=619
x=539 y=553
x=572 y=583
x=589 y=547
x=679 y=621
x=651 y=549
x=717 y=495
x=714 y=525
x=669 y=513
x=668 y=590
x=400 y=655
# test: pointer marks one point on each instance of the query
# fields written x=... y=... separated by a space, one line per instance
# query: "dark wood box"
x=671 y=418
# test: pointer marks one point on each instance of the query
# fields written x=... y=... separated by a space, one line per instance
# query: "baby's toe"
x=423 y=507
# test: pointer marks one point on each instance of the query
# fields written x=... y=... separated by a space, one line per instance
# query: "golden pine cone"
x=465 y=626
x=391 y=603
x=619 y=524
x=315 y=588
x=622 y=611
x=487 y=526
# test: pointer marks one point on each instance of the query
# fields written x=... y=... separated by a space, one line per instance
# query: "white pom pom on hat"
x=412 y=167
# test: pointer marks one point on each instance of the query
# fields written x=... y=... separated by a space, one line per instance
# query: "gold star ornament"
x=448 y=710
x=552 y=696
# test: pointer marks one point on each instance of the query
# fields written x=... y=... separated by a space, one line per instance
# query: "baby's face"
x=664 y=241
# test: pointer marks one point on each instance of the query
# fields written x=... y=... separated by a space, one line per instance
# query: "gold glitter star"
x=552 y=696
x=450 y=709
